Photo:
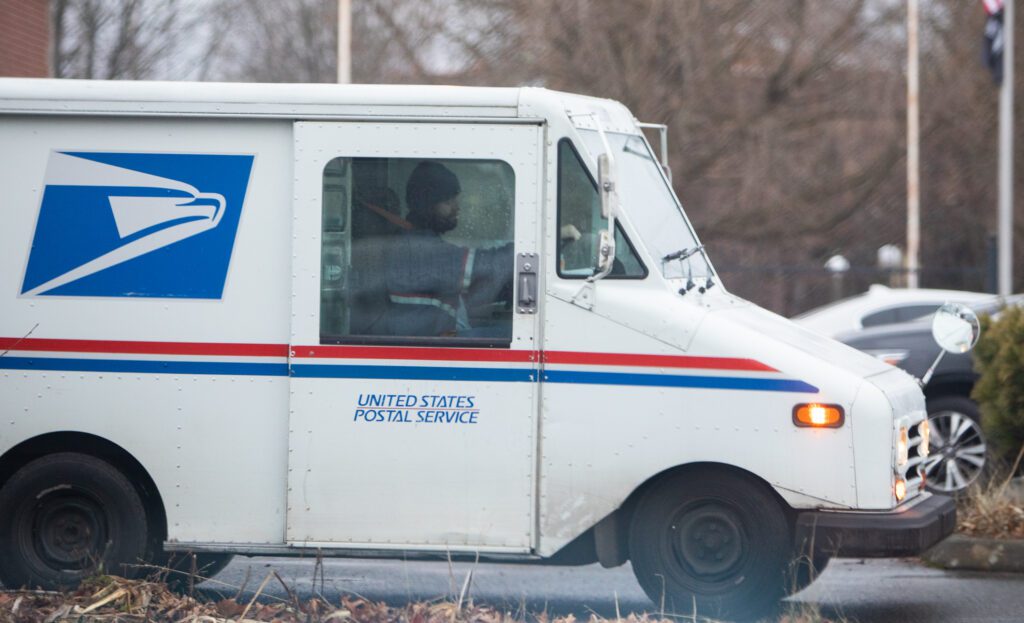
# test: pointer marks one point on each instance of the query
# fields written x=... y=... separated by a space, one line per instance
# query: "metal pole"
x=1006 y=157
x=344 y=41
x=913 y=157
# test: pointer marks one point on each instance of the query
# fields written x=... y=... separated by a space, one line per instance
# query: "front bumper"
x=852 y=534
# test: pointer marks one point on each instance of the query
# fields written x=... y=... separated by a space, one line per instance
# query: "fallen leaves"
x=111 y=599
x=992 y=520
x=116 y=599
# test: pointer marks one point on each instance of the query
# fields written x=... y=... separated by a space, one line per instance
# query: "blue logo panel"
x=133 y=224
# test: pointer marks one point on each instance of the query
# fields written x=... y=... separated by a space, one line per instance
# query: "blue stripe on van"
x=144 y=366
x=672 y=380
x=419 y=373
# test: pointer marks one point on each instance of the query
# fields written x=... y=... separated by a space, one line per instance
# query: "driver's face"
x=446 y=214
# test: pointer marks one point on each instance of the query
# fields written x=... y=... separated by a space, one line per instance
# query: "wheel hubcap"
x=708 y=541
x=958 y=452
x=69 y=530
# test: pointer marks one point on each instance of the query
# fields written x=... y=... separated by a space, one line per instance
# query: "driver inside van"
x=432 y=284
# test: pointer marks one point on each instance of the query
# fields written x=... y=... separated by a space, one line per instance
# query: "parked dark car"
x=958 y=448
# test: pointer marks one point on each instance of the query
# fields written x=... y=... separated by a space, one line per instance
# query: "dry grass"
x=116 y=599
x=807 y=613
x=987 y=510
x=111 y=599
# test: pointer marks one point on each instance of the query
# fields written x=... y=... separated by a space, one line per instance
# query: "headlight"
x=900 y=489
x=902 y=447
x=924 y=430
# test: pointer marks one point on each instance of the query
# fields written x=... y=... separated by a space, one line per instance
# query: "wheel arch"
x=104 y=449
x=611 y=534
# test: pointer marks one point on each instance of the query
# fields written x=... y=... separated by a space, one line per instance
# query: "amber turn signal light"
x=816 y=415
x=900 y=489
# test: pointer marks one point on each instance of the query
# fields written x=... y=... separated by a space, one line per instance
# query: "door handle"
x=526 y=283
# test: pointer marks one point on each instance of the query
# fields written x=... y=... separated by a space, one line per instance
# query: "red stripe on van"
x=382 y=353
x=655 y=361
x=144 y=348
x=523 y=356
x=415 y=353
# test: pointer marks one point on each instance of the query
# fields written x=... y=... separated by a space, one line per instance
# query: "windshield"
x=650 y=203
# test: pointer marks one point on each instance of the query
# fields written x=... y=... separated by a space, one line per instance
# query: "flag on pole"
x=993 y=48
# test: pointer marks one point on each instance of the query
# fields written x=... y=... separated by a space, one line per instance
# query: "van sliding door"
x=413 y=344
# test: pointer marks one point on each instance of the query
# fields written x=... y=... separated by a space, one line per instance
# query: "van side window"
x=579 y=205
x=417 y=251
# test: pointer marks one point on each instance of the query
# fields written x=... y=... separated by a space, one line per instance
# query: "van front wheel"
x=66 y=516
x=713 y=540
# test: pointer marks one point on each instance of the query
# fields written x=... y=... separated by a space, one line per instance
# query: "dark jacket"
x=432 y=284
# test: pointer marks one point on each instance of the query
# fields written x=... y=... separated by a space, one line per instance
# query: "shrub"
x=999 y=392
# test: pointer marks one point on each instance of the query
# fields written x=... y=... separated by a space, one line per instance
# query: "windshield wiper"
x=682 y=254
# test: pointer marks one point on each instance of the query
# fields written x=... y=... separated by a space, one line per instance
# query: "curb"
x=964 y=553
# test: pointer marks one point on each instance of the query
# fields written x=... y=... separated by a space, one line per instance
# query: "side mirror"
x=956 y=328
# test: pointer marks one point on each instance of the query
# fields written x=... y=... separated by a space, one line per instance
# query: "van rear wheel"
x=713 y=540
x=66 y=516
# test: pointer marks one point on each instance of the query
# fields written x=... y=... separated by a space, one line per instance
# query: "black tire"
x=65 y=516
x=940 y=411
x=709 y=539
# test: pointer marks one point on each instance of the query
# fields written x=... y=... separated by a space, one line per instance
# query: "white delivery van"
x=410 y=321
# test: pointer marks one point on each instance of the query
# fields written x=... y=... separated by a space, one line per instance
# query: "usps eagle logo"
x=136 y=224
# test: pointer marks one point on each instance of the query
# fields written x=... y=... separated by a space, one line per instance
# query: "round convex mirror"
x=955 y=327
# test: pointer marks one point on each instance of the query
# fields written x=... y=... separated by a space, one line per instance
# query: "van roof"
x=227 y=99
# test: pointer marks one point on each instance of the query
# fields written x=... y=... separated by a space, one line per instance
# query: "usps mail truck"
x=411 y=321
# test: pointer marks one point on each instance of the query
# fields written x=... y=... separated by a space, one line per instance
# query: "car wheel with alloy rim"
x=959 y=454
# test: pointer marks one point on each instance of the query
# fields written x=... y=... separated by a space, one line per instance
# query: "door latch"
x=526 y=283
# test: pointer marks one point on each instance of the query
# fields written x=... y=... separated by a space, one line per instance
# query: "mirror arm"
x=607 y=255
x=663 y=139
x=600 y=275
x=928 y=375
x=604 y=141
x=607 y=180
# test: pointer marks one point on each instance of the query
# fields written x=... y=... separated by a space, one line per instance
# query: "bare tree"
x=288 y=41
x=295 y=40
x=786 y=117
x=123 y=39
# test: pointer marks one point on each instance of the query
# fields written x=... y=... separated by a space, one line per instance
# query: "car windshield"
x=651 y=205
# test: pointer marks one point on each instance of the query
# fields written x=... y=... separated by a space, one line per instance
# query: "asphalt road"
x=873 y=591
